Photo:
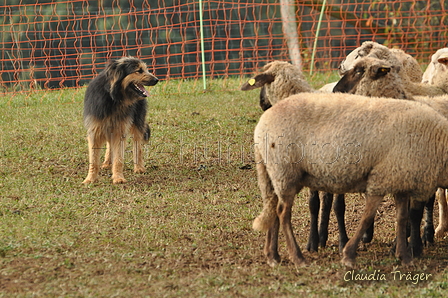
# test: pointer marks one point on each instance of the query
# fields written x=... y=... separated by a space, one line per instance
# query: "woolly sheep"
x=363 y=80
x=358 y=81
x=410 y=69
x=278 y=80
x=436 y=70
x=437 y=67
x=321 y=141
x=373 y=77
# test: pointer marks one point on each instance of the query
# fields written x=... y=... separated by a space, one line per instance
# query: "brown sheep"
x=410 y=69
x=380 y=162
x=279 y=80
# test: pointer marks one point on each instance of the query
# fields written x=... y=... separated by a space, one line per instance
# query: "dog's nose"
x=153 y=81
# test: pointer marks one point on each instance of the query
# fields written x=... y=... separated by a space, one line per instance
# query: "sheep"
x=410 y=68
x=436 y=70
x=374 y=77
x=278 y=80
x=442 y=228
x=363 y=80
x=321 y=141
x=436 y=78
x=437 y=67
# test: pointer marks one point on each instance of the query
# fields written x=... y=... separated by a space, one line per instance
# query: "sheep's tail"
x=268 y=216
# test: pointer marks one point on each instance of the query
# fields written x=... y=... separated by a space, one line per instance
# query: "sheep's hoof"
x=440 y=231
x=406 y=260
x=273 y=262
x=348 y=262
x=407 y=263
x=301 y=263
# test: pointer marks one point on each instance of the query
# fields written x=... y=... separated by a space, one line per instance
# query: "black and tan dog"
x=115 y=105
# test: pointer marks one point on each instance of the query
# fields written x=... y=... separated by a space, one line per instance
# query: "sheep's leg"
x=271 y=245
x=443 y=213
x=428 y=229
x=368 y=235
x=339 y=210
x=415 y=219
x=349 y=251
x=314 y=205
x=268 y=220
x=325 y=218
x=284 y=213
x=402 y=207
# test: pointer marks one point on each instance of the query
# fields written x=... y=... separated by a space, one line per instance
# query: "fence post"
x=290 y=31
x=317 y=36
x=201 y=30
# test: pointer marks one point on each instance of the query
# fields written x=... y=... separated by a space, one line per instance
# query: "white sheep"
x=279 y=80
x=410 y=69
x=371 y=76
x=437 y=67
x=437 y=70
x=363 y=80
x=352 y=77
x=342 y=143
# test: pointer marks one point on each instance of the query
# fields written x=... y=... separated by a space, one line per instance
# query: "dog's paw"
x=88 y=181
x=105 y=166
x=139 y=169
x=119 y=180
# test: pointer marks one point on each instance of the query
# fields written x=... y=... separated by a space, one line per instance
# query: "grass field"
x=182 y=229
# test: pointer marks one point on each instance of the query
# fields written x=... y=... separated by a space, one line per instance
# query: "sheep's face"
x=367 y=49
x=277 y=80
x=366 y=69
x=438 y=68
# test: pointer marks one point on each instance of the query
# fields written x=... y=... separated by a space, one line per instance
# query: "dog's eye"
x=140 y=70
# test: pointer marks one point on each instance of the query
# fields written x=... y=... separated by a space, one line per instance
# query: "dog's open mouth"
x=140 y=89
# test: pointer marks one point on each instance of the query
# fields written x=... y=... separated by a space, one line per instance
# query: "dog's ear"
x=258 y=81
x=114 y=75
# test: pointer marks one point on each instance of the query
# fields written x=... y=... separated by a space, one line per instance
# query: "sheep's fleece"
x=347 y=143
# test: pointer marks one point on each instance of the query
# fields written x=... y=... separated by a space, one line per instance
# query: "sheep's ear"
x=258 y=81
x=347 y=83
x=443 y=59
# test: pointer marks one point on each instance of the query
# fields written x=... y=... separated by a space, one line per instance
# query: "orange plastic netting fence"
x=49 y=44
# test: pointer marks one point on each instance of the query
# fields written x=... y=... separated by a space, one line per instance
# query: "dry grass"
x=183 y=229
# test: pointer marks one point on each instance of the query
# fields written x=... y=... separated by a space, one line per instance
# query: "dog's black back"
x=106 y=97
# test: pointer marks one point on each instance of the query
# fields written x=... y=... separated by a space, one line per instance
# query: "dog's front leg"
x=107 y=159
x=117 y=146
x=138 y=141
x=95 y=144
x=139 y=164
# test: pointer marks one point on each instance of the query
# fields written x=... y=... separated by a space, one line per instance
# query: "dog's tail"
x=147 y=133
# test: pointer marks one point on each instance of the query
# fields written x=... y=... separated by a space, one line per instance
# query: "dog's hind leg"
x=138 y=139
x=117 y=146
x=107 y=159
x=95 y=144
